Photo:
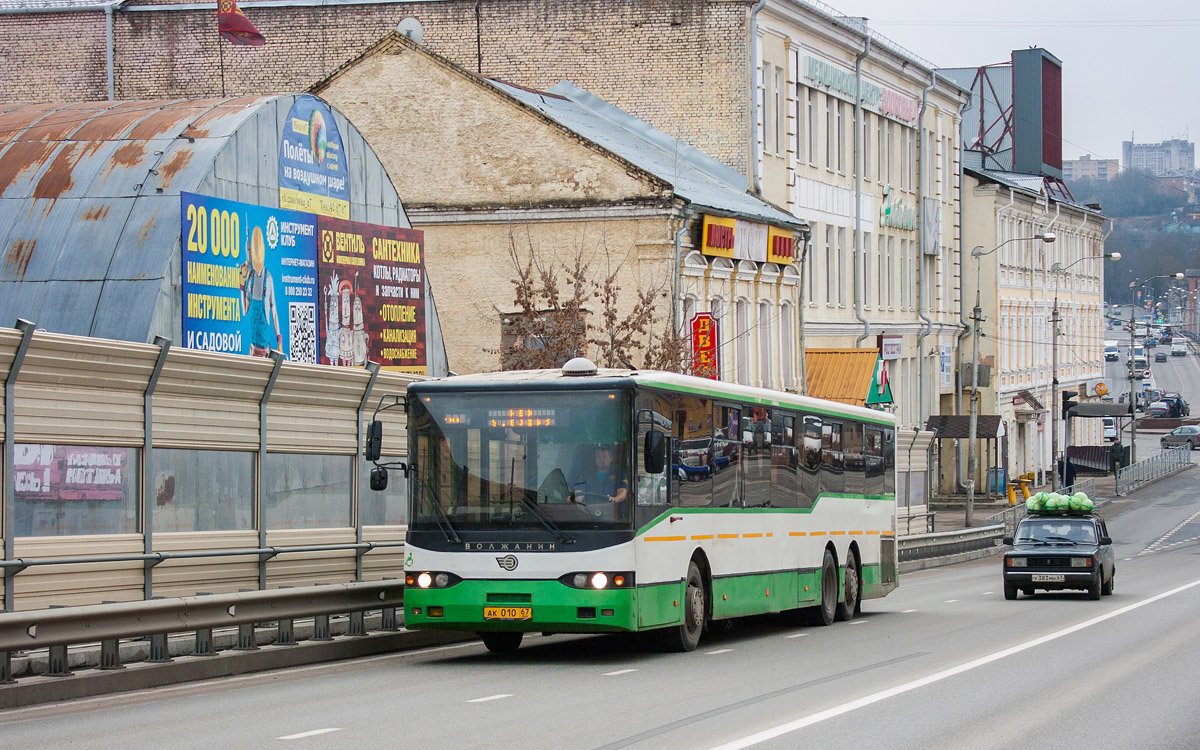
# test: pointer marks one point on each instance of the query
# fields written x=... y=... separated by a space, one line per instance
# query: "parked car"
x=1188 y=435
x=1158 y=409
x=1178 y=349
x=1054 y=552
x=1160 y=356
x=1110 y=428
x=1179 y=407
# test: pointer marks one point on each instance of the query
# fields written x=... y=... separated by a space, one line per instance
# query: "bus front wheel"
x=686 y=635
x=502 y=643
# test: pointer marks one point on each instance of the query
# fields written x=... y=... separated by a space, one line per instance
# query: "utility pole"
x=976 y=319
x=1058 y=476
x=1132 y=393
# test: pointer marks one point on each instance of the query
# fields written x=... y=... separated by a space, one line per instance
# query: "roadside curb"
x=911 y=566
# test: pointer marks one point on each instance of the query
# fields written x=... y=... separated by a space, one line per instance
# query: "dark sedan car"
x=1160 y=356
x=1057 y=551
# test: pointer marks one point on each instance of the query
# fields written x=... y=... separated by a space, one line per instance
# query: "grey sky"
x=1127 y=66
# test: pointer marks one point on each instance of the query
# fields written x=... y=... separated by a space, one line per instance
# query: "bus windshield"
x=520 y=460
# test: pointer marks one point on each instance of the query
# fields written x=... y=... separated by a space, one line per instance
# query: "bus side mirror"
x=379 y=479
x=655 y=453
x=375 y=444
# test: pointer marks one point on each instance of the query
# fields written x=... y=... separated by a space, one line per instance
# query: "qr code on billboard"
x=302 y=332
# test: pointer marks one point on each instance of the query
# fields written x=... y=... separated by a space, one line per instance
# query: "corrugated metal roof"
x=693 y=175
x=842 y=375
x=987 y=426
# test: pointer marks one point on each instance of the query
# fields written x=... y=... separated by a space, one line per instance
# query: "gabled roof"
x=842 y=375
x=694 y=176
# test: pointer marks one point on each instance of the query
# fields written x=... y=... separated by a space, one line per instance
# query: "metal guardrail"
x=59 y=628
x=906 y=520
x=942 y=543
x=1086 y=486
x=1169 y=461
x=153 y=558
x=1008 y=518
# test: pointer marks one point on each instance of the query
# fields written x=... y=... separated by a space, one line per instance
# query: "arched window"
x=741 y=333
x=787 y=349
x=766 y=374
x=717 y=306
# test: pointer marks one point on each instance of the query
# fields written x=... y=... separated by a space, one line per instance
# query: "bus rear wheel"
x=685 y=636
x=852 y=580
x=826 y=613
x=502 y=643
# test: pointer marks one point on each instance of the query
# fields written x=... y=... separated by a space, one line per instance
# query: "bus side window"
x=853 y=459
x=652 y=411
x=757 y=450
x=810 y=462
x=832 y=466
x=873 y=456
x=785 y=462
x=692 y=462
x=889 y=461
x=728 y=449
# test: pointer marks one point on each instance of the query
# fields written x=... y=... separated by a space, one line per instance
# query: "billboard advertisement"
x=249 y=278
x=704 y=346
x=372 y=282
x=312 y=161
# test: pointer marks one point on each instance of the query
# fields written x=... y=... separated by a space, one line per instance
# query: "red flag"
x=235 y=28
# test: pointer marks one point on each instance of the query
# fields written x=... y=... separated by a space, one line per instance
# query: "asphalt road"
x=943 y=662
x=1179 y=374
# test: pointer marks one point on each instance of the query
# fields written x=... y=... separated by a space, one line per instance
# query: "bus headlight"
x=580 y=580
x=431 y=580
x=599 y=581
x=441 y=580
x=424 y=580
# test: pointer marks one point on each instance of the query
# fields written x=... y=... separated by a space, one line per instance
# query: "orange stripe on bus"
x=727 y=536
x=797 y=533
x=665 y=538
x=872 y=531
x=817 y=533
x=752 y=536
x=702 y=536
x=856 y=533
x=836 y=533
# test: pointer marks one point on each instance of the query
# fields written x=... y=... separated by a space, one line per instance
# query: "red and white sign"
x=891 y=347
x=704 y=346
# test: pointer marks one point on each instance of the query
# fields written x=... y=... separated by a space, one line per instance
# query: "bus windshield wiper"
x=546 y=522
x=443 y=520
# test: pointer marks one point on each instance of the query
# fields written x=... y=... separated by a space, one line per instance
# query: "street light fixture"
x=1057 y=269
x=976 y=319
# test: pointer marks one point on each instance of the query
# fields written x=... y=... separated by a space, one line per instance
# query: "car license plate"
x=1048 y=577
x=507 y=613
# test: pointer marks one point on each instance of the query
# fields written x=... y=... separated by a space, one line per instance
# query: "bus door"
x=730 y=455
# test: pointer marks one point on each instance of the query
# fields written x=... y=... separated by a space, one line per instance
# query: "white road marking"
x=859 y=622
x=867 y=700
x=949 y=601
x=987 y=593
x=907 y=611
x=310 y=733
x=490 y=698
x=619 y=671
x=719 y=651
x=796 y=635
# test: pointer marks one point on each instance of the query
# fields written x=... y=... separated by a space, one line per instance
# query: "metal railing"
x=1143 y=472
x=57 y=629
x=1008 y=518
x=943 y=543
x=1086 y=486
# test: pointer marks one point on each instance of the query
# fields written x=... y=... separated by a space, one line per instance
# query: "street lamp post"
x=1057 y=269
x=977 y=319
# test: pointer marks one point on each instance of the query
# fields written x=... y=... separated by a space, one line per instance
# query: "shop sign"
x=312 y=161
x=842 y=80
x=372 y=288
x=891 y=347
x=718 y=236
x=249 y=278
x=746 y=240
x=946 y=350
x=894 y=212
x=704 y=346
x=781 y=246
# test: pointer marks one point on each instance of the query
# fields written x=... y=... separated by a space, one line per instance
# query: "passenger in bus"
x=599 y=477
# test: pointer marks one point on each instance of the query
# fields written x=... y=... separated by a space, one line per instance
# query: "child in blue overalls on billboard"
x=258 y=299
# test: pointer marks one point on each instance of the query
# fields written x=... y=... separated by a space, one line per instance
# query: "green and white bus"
x=721 y=501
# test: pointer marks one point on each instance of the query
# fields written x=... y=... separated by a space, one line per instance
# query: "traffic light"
x=1068 y=401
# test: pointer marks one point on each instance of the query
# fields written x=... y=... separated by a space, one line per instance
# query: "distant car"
x=1179 y=350
x=1150 y=342
x=1160 y=356
x=1188 y=435
x=1179 y=407
x=1110 y=428
x=1159 y=409
x=1055 y=552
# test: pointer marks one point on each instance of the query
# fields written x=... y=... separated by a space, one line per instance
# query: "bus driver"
x=600 y=478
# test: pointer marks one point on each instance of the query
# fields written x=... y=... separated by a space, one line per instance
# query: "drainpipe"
x=858 y=263
x=921 y=254
x=807 y=245
x=108 y=50
x=755 y=186
x=676 y=280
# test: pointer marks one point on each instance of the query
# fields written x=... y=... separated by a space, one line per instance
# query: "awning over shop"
x=850 y=376
x=959 y=426
x=1101 y=409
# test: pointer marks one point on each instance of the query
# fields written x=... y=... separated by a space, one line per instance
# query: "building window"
x=841 y=137
x=865 y=282
x=811 y=259
x=891 y=149
x=62 y=490
x=198 y=490
x=841 y=266
x=765 y=373
x=718 y=312
x=741 y=314
x=866 y=144
x=767 y=99
x=830 y=133
x=780 y=111
x=880 y=155
x=801 y=131
x=831 y=270
x=882 y=277
x=812 y=127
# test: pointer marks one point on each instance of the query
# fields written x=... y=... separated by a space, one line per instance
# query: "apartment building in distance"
x=1174 y=155
x=1087 y=168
